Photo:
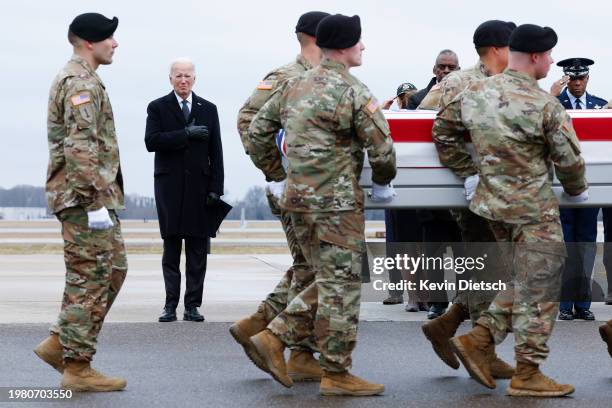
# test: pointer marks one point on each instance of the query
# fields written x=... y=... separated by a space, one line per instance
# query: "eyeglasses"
x=442 y=67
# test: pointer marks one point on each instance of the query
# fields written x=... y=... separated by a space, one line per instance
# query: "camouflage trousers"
x=297 y=278
x=478 y=238
x=529 y=305
x=327 y=311
x=96 y=266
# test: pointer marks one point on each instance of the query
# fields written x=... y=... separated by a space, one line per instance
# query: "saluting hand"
x=557 y=86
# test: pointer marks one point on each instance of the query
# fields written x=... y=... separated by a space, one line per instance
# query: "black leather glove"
x=195 y=132
x=212 y=199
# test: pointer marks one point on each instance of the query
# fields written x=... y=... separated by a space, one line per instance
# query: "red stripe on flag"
x=408 y=130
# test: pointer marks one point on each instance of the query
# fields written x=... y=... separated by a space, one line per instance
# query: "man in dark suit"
x=183 y=131
x=579 y=224
x=446 y=62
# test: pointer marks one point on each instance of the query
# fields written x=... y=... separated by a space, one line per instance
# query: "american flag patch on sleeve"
x=372 y=105
x=265 y=85
x=80 y=98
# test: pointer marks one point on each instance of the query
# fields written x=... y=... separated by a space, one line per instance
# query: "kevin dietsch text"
x=427 y=285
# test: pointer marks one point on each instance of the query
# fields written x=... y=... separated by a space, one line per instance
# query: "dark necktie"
x=578 y=105
x=185 y=109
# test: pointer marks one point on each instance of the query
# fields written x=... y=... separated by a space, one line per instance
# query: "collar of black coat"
x=196 y=105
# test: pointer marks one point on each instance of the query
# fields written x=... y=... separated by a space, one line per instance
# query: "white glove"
x=470 y=185
x=99 y=219
x=577 y=198
x=382 y=194
x=277 y=188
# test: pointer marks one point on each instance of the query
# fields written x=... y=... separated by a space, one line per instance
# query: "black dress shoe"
x=393 y=300
x=192 y=315
x=168 y=315
x=435 y=311
x=584 y=314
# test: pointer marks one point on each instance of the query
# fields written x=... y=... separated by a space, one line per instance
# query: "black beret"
x=532 y=38
x=308 y=22
x=493 y=33
x=575 y=67
x=93 y=27
x=338 y=32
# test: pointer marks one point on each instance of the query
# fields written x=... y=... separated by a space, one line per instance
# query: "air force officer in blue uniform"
x=579 y=224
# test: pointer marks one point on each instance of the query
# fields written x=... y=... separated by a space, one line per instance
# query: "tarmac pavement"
x=199 y=365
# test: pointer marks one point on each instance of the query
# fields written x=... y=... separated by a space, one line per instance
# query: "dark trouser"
x=607 y=256
x=439 y=230
x=401 y=226
x=195 y=252
x=580 y=231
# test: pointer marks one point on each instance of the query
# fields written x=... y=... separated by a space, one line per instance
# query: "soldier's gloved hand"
x=212 y=198
x=276 y=188
x=470 y=185
x=577 y=198
x=382 y=194
x=195 y=132
x=99 y=219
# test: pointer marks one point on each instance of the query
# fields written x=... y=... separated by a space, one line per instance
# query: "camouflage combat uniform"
x=300 y=275
x=84 y=175
x=474 y=229
x=519 y=132
x=329 y=117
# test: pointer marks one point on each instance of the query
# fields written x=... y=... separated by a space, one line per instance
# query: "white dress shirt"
x=180 y=100
x=573 y=99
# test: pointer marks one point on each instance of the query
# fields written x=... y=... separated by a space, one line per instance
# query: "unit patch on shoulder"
x=265 y=85
x=372 y=105
x=80 y=98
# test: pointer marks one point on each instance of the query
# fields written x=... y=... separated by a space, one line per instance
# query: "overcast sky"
x=234 y=44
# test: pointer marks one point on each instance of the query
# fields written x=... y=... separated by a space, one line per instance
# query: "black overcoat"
x=185 y=170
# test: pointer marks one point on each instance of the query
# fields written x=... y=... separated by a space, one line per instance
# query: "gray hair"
x=182 y=60
x=447 y=52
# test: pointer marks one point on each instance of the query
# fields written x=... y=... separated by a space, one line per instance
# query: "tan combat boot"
x=530 y=382
x=605 y=331
x=476 y=350
x=302 y=366
x=500 y=369
x=51 y=352
x=270 y=350
x=79 y=376
x=243 y=329
x=347 y=384
x=439 y=332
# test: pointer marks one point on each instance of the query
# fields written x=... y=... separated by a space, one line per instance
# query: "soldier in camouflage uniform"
x=329 y=117
x=491 y=42
x=520 y=134
x=85 y=190
x=301 y=364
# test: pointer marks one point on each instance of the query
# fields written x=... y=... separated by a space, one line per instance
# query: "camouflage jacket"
x=84 y=165
x=451 y=86
x=519 y=133
x=329 y=118
x=270 y=84
x=455 y=82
